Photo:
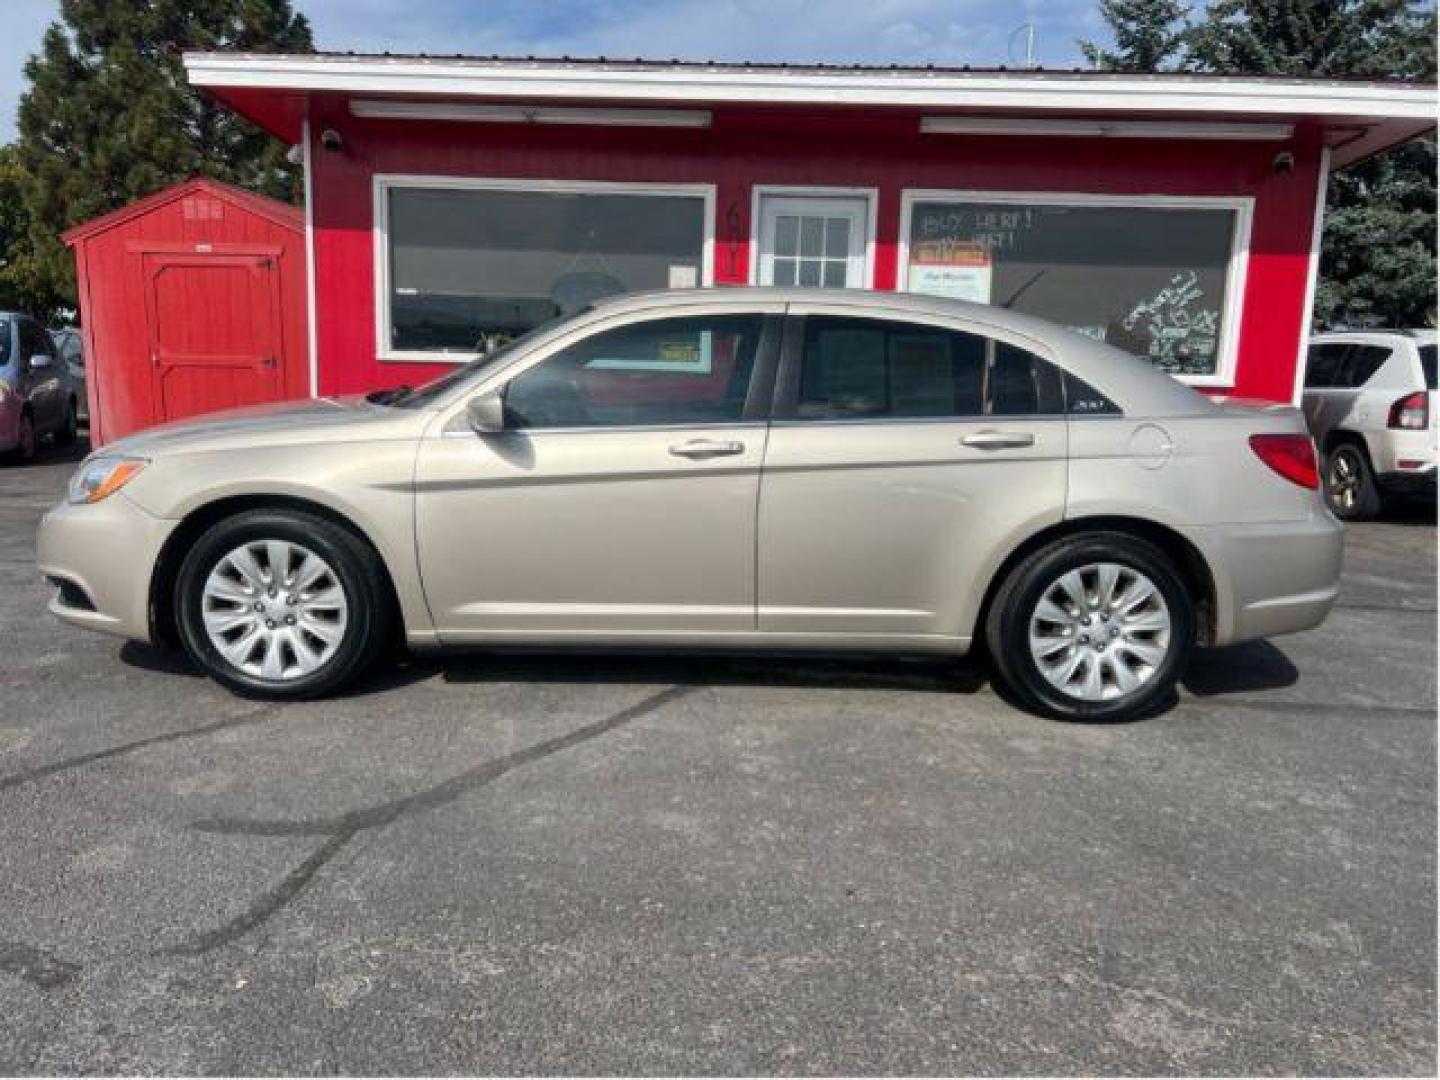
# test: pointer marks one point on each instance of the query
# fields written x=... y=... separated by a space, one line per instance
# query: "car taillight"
x=1292 y=456
x=1411 y=412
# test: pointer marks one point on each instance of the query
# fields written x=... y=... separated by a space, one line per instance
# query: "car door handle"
x=707 y=448
x=998 y=440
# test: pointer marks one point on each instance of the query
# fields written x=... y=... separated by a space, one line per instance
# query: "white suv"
x=1370 y=403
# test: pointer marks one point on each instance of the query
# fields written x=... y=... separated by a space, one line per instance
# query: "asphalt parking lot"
x=654 y=865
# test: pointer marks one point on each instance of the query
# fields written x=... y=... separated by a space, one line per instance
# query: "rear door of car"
x=903 y=455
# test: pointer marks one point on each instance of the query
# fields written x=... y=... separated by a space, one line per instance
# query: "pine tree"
x=109 y=117
x=1149 y=35
x=1377 y=261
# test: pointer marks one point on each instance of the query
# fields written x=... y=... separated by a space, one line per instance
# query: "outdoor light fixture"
x=1105 y=129
x=531 y=114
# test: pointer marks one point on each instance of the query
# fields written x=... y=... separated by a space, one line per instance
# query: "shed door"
x=214 y=331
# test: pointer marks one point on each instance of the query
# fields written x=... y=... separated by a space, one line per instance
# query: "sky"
x=979 y=32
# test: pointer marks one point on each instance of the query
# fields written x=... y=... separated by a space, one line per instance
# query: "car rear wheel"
x=1092 y=627
x=1350 y=488
x=281 y=604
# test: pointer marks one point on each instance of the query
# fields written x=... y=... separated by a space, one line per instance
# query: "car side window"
x=854 y=368
x=661 y=372
x=34 y=341
x=70 y=349
x=1322 y=366
x=1361 y=364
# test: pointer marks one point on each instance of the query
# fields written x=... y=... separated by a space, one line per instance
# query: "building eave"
x=769 y=84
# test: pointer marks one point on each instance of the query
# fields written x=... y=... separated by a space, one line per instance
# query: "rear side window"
x=1427 y=364
x=1361 y=364
x=1322 y=366
x=4 y=342
x=873 y=368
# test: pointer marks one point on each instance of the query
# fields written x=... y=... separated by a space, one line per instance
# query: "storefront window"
x=1152 y=279
x=470 y=268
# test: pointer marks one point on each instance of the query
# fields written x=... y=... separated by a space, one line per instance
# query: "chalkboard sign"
x=1149 y=279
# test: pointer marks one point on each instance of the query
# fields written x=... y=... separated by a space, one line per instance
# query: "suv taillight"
x=1292 y=456
x=1411 y=412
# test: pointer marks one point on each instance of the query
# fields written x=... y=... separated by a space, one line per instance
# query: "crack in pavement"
x=340 y=830
x=36 y=966
x=40 y=772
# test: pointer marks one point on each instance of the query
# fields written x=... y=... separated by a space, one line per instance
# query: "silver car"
x=742 y=468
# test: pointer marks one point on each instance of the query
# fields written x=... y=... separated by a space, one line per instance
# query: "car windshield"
x=1427 y=365
x=406 y=398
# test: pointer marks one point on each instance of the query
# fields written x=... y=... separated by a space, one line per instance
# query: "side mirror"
x=486 y=413
x=41 y=361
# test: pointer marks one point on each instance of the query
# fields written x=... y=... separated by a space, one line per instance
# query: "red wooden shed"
x=191 y=300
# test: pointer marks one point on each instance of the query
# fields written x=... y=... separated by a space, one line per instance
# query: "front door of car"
x=41 y=384
x=902 y=458
x=619 y=500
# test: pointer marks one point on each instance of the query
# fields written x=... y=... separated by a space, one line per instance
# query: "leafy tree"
x=1149 y=35
x=1377 y=262
x=109 y=118
x=1376 y=38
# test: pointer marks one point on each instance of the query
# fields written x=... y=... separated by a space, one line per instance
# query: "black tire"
x=1007 y=629
x=69 y=429
x=356 y=566
x=1350 y=488
x=27 y=439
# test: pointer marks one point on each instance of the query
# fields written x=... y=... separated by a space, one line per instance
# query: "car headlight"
x=101 y=477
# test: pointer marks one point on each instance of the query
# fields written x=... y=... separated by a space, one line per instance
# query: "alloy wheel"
x=1344 y=481
x=1100 y=632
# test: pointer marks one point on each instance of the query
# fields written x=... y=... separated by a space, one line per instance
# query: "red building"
x=191 y=300
x=458 y=201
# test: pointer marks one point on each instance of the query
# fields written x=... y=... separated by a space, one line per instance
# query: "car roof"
x=1135 y=384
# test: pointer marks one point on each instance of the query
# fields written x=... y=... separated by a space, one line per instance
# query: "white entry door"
x=815 y=241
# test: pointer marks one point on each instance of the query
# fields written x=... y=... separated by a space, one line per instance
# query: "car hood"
x=337 y=419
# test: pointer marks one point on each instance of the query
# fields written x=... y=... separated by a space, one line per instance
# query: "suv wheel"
x=281 y=604
x=1092 y=627
x=1350 y=488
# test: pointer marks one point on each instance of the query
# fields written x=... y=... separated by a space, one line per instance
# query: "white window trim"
x=1312 y=276
x=381 y=183
x=312 y=324
x=1231 y=307
x=869 y=194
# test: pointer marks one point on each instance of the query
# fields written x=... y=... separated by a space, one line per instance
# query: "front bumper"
x=1274 y=578
x=106 y=552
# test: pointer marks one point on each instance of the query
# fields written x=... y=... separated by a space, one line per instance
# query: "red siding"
x=879 y=151
x=195 y=223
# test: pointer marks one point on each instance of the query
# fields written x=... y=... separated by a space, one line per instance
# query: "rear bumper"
x=1409 y=481
x=106 y=552
x=1272 y=579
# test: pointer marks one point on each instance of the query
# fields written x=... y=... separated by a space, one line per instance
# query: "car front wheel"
x=281 y=604
x=1092 y=627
